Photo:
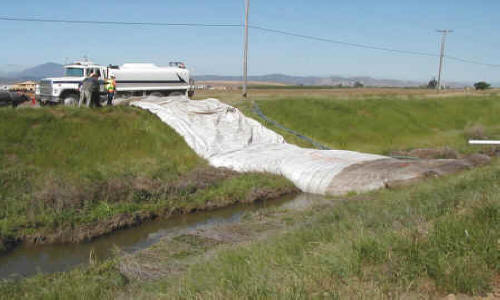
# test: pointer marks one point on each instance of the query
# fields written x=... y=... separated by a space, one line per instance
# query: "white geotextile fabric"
x=227 y=138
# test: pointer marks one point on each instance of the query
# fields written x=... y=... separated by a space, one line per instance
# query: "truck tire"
x=70 y=100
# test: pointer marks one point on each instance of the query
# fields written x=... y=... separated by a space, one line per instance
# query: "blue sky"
x=386 y=23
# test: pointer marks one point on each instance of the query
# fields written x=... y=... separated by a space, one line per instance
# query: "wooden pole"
x=245 y=51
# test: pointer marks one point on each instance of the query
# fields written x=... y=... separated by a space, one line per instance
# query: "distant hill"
x=55 y=70
x=42 y=71
x=34 y=73
x=325 y=81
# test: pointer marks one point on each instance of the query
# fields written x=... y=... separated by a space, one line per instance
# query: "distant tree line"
x=481 y=85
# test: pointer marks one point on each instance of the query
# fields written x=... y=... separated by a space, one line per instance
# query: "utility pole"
x=245 y=50
x=441 y=57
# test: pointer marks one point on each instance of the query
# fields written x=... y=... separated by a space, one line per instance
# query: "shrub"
x=481 y=85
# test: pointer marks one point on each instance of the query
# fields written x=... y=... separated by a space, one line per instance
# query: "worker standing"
x=89 y=91
x=85 y=95
x=110 y=89
x=93 y=90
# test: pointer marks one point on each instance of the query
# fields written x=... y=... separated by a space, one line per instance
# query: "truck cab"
x=66 y=89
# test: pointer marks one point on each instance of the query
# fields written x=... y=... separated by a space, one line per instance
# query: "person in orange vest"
x=110 y=89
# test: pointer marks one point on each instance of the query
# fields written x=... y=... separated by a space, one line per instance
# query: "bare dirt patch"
x=392 y=173
x=429 y=153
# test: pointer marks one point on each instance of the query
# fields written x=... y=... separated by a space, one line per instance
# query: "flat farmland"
x=272 y=93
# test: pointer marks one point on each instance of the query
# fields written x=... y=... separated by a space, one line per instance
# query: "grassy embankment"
x=384 y=125
x=437 y=237
x=62 y=168
x=428 y=240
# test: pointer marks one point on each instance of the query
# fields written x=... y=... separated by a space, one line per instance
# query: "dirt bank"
x=63 y=197
x=175 y=252
x=89 y=232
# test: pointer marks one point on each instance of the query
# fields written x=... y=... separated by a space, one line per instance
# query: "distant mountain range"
x=42 y=71
x=34 y=73
x=327 y=80
x=55 y=70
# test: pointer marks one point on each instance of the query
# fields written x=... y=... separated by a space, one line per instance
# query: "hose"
x=256 y=109
x=259 y=112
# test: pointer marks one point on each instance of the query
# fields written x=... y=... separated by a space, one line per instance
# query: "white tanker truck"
x=132 y=79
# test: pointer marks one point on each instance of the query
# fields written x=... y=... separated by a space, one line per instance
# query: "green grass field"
x=427 y=240
x=387 y=124
x=64 y=167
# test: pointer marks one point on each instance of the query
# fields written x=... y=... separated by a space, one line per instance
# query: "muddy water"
x=27 y=261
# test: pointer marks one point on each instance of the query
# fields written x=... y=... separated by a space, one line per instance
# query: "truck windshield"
x=74 y=72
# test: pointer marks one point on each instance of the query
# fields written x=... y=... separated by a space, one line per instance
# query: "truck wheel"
x=70 y=100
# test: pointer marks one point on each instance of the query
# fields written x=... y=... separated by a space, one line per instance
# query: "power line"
x=394 y=50
x=40 y=20
x=472 y=61
x=310 y=37
x=260 y=28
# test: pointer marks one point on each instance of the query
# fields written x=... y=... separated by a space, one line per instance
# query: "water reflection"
x=27 y=261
